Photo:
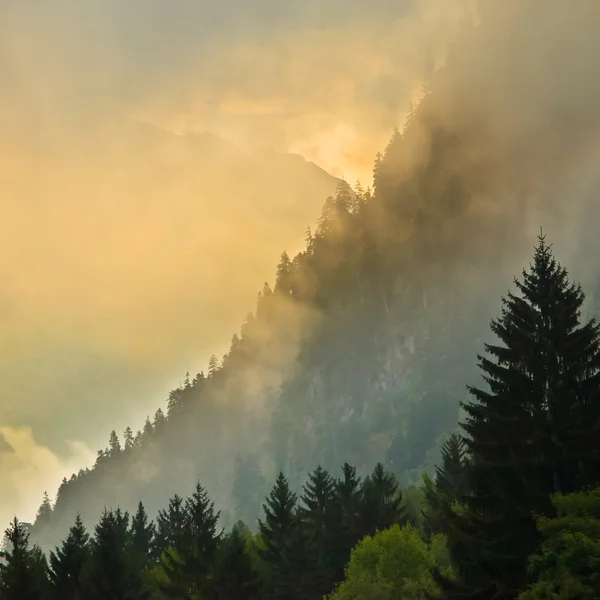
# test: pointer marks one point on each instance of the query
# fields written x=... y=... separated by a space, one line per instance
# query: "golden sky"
x=129 y=253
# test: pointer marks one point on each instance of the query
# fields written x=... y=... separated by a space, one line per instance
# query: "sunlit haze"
x=148 y=186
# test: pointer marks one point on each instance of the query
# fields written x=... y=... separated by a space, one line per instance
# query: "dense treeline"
x=332 y=366
x=512 y=512
x=300 y=550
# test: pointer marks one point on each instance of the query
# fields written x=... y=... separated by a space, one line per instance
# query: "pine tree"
x=20 y=571
x=310 y=241
x=348 y=490
x=39 y=573
x=175 y=402
x=321 y=522
x=110 y=575
x=114 y=445
x=279 y=520
x=335 y=211
x=159 y=421
x=301 y=572
x=67 y=563
x=450 y=477
x=188 y=569
x=44 y=513
x=348 y=497
x=234 y=573
x=41 y=531
x=276 y=532
x=535 y=430
x=319 y=501
x=381 y=501
x=148 y=431
x=377 y=173
x=449 y=485
x=283 y=282
x=141 y=538
x=213 y=366
x=100 y=458
x=170 y=527
x=137 y=440
x=128 y=439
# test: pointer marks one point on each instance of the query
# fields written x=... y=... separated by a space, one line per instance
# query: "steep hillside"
x=137 y=232
x=362 y=348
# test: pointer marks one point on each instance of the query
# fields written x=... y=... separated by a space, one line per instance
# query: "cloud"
x=287 y=74
x=330 y=85
x=129 y=254
x=5 y=447
x=30 y=469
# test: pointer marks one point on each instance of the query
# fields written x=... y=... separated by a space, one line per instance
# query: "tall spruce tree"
x=534 y=431
x=448 y=487
x=321 y=519
x=170 y=527
x=279 y=519
x=381 y=501
x=20 y=568
x=276 y=531
x=39 y=573
x=234 y=573
x=141 y=538
x=110 y=574
x=44 y=513
x=188 y=568
x=348 y=498
x=302 y=572
x=67 y=563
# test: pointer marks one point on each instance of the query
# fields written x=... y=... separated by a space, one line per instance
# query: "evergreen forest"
x=512 y=511
x=411 y=409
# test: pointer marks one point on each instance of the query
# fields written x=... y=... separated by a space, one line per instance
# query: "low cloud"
x=129 y=254
x=30 y=468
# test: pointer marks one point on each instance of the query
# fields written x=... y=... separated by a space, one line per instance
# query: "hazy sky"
x=128 y=256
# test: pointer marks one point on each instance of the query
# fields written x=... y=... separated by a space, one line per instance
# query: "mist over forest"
x=359 y=347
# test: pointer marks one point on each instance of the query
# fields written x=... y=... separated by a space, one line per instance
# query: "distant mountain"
x=362 y=348
x=167 y=227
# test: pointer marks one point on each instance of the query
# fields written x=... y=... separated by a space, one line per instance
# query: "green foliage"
x=235 y=575
x=393 y=563
x=567 y=567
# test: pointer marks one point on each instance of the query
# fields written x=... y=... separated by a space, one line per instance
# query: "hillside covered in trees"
x=512 y=512
x=360 y=349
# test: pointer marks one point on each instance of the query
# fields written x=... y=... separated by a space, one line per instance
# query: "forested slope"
x=361 y=348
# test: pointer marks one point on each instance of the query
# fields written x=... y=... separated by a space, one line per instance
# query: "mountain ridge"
x=362 y=349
